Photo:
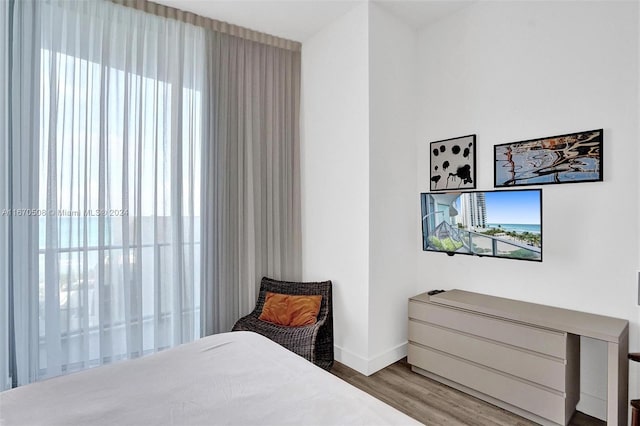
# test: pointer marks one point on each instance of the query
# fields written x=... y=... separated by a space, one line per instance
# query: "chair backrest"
x=322 y=288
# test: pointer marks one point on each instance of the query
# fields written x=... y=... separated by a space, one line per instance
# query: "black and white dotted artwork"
x=453 y=163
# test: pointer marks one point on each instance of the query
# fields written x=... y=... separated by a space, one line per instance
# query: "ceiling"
x=293 y=20
x=421 y=13
x=300 y=19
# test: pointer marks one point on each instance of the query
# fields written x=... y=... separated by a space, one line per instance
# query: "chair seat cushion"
x=291 y=310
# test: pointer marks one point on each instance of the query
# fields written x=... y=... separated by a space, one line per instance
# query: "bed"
x=239 y=378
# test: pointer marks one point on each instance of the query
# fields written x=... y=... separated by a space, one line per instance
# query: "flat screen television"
x=505 y=224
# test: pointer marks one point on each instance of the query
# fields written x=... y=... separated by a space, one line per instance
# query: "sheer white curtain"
x=4 y=195
x=113 y=237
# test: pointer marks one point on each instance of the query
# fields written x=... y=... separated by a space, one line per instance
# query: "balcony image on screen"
x=484 y=223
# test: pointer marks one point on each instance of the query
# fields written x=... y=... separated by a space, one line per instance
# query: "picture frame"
x=453 y=164
x=568 y=158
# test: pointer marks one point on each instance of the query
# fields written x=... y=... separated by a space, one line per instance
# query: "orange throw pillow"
x=290 y=310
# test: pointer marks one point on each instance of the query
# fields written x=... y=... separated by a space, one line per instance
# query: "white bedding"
x=238 y=378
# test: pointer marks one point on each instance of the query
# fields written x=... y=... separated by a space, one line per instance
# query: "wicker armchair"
x=313 y=342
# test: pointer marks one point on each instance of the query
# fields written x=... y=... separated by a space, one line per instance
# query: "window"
x=119 y=196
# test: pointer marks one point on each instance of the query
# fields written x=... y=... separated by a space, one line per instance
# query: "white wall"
x=510 y=71
x=506 y=72
x=358 y=151
x=392 y=151
x=335 y=175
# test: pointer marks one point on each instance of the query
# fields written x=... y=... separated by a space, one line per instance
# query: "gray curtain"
x=4 y=194
x=210 y=24
x=22 y=117
x=250 y=172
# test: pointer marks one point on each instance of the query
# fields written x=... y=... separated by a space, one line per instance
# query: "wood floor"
x=433 y=403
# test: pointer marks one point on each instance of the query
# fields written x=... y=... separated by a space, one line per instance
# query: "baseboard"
x=593 y=406
x=369 y=366
x=351 y=360
x=387 y=358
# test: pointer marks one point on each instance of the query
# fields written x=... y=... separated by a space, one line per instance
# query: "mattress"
x=238 y=378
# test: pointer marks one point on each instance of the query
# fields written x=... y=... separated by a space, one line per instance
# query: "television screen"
x=484 y=223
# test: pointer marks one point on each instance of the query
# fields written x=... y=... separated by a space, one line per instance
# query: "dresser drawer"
x=548 y=342
x=542 y=370
x=544 y=403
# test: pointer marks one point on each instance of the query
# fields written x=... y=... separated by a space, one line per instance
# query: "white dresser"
x=521 y=356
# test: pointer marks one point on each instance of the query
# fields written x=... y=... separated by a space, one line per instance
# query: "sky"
x=518 y=207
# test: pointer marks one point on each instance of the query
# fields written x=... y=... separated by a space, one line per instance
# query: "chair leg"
x=635 y=404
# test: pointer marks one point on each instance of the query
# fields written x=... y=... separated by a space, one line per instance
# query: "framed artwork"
x=453 y=164
x=569 y=158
